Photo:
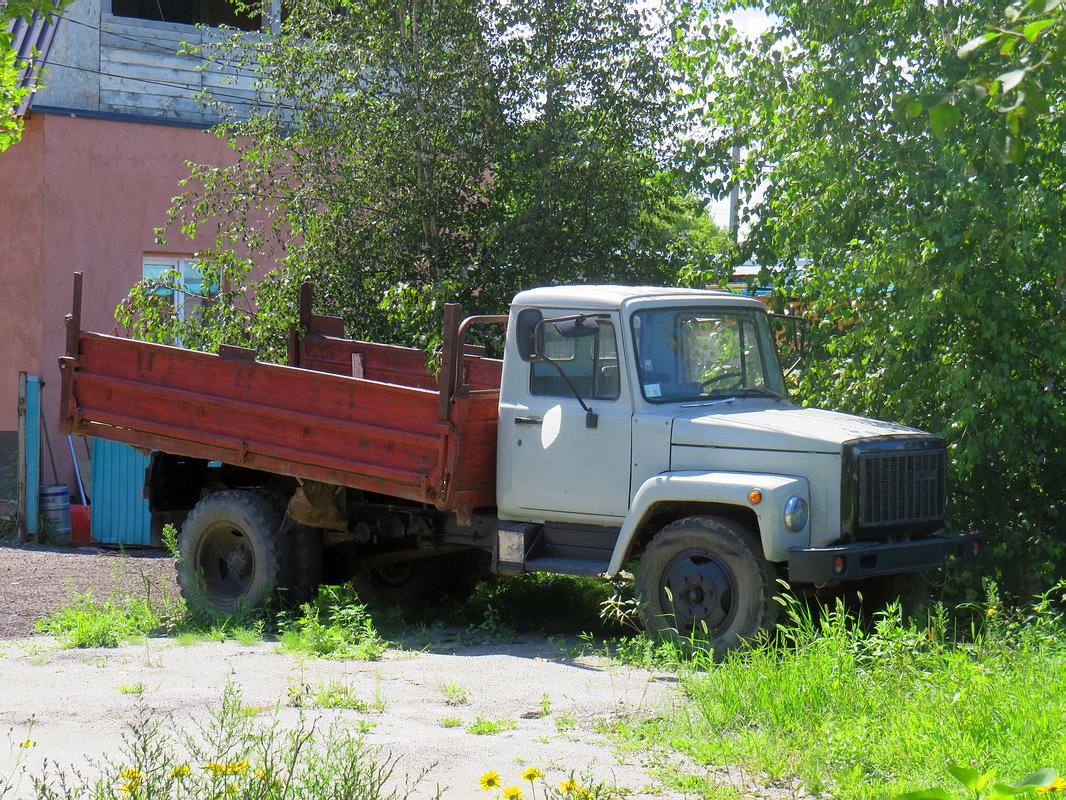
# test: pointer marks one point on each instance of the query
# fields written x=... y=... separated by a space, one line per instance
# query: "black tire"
x=305 y=574
x=410 y=586
x=463 y=572
x=232 y=555
x=706 y=578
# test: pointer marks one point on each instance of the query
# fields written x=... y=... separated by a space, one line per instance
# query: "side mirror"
x=528 y=333
x=791 y=336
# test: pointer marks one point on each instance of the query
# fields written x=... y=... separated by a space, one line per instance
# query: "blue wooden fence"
x=119 y=513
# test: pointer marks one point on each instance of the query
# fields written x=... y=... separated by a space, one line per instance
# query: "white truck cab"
x=654 y=423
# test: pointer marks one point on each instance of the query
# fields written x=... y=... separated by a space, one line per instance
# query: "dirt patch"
x=37 y=579
x=80 y=703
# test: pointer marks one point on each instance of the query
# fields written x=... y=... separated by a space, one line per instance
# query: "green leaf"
x=977 y=42
x=967 y=776
x=1010 y=80
x=1001 y=790
x=1033 y=30
x=1042 y=777
x=935 y=793
x=942 y=118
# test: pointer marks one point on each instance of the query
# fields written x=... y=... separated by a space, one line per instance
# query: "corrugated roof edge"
x=31 y=41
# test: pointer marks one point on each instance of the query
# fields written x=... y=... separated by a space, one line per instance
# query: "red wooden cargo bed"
x=358 y=414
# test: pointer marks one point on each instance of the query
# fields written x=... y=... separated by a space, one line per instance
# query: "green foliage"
x=985 y=787
x=490 y=727
x=863 y=712
x=454 y=694
x=85 y=621
x=929 y=263
x=407 y=155
x=1021 y=66
x=332 y=695
x=11 y=67
x=334 y=625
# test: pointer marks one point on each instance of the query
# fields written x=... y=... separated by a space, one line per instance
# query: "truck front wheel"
x=705 y=577
x=231 y=556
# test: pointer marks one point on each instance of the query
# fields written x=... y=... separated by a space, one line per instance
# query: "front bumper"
x=857 y=560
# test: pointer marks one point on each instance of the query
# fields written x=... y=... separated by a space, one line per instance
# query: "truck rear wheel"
x=705 y=577
x=232 y=556
x=409 y=585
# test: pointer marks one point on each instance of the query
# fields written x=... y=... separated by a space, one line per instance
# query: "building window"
x=179 y=284
x=188 y=12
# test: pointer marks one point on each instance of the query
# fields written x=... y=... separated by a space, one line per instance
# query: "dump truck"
x=621 y=426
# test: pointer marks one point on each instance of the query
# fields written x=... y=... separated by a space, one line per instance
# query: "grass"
x=450 y=722
x=230 y=755
x=86 y=622
x=862 y=713
x=335 y=695
x=488 y=727
x=565 y=722
x=454 y=694
x=334 y=625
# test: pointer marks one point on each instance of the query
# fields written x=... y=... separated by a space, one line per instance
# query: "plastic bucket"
x=80 y=523
x=55 y=507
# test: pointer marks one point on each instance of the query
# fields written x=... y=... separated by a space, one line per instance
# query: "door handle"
x=527 y=420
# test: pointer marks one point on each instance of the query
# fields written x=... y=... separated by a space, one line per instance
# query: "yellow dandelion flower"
x=569 y=786
x=236 y=767
x=512 y=793
x=132 y=774
x=1057 y=785
x=26 y=744
x=490 y=780
x=531 y=774
x=180 y=772
x=990 y=612
x=130 y=787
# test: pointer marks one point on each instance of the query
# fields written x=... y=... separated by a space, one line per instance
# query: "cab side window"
x=590 y=363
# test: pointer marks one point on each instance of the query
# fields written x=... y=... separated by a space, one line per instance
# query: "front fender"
x=723 y=488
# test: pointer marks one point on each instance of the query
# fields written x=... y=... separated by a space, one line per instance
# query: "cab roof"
x=612 y=297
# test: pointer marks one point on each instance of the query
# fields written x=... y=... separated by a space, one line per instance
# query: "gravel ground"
x=78 y=703
x=35 y=579
x=79 y=713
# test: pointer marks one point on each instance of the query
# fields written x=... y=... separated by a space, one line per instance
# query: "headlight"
x=796 y=514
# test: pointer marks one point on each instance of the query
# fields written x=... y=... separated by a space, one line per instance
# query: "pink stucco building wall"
x=79 y=194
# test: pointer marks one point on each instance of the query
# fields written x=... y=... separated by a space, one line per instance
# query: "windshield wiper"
x=714 y=402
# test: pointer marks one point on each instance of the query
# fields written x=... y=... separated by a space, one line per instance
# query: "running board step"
x=567 y=566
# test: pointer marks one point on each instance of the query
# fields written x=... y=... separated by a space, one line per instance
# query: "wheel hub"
x=239 y=563
x=226 y=562
x=699 y=589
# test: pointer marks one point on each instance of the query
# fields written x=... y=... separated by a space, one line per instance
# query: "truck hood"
x=777 y=427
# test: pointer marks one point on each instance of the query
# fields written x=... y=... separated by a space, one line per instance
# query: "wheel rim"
x=699 y=587
x=226 y=561
x=393 y=577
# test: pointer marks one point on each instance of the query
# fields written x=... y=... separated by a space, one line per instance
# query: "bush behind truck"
x=622 y=424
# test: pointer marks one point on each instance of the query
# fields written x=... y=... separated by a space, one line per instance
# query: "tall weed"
x=335 y=625
x=862 y=712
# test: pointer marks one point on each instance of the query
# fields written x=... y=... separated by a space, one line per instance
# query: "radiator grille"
x=900 y=488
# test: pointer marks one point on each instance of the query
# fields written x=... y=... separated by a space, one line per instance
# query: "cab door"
x=561 y=468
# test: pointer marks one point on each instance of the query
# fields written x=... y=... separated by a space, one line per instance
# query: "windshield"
x=693 y=354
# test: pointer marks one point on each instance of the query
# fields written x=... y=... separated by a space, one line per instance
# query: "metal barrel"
x=55 y=507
